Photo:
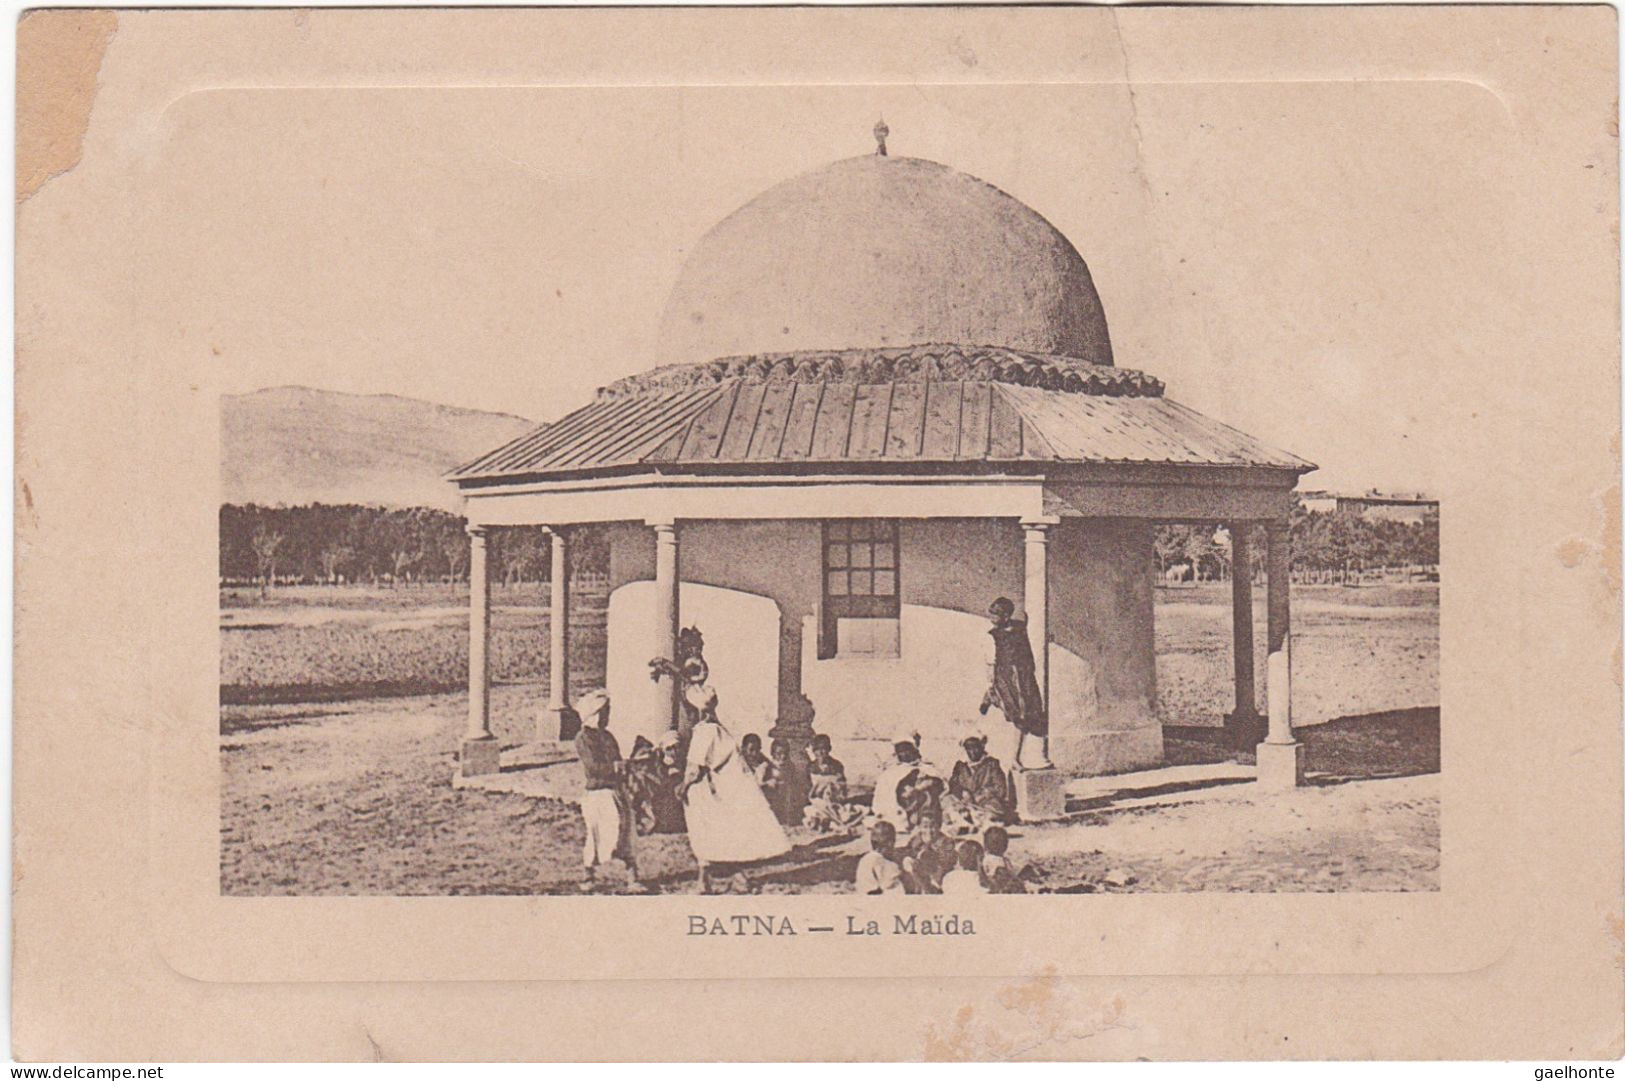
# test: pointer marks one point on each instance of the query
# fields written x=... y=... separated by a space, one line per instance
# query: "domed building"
x=886 y=396
x=874 y=252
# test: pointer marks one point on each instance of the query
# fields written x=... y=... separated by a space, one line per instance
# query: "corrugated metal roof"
x=785 y=424
x=1084 y=427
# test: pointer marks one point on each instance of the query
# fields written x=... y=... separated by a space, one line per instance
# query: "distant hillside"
x=298 y=445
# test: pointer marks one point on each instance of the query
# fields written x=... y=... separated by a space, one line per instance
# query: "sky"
x=1304 y=261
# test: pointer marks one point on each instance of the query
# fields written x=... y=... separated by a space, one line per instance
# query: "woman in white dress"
x=729 y=820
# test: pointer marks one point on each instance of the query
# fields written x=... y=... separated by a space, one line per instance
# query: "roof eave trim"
x=1025 y=468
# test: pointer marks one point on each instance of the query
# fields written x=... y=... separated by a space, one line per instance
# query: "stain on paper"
x=1035 y=1018
x=1616 y=931
x=1572 y=552
x=59 y=63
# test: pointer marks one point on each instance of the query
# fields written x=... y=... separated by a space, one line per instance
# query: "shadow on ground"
x=1076 y=805
x=242 y=725
x=1398 y=743
x=1363 y=747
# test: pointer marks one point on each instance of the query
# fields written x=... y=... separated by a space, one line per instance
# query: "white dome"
x=879 y=251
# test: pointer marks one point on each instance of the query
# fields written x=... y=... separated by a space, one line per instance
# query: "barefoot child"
x=827 y=806
x=878 y=870
x=603 y=807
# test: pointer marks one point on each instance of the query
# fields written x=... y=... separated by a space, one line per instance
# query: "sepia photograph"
x=818 y=533
x=879 y=559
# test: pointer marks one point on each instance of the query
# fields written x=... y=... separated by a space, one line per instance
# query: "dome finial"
x=881 y=131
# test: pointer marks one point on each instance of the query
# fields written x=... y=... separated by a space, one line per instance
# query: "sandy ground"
x=1368 y=837
x=1355 y=650
x=355 y=797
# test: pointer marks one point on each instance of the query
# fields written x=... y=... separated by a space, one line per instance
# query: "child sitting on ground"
x=878 y=871
x=978 y=790
x=777 y=787
x=929 y=856
x=827 y=806
x=997 y=873
x=965 y=878
x=754 y=761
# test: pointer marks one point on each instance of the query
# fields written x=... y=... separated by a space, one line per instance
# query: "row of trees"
x=322 y=543
x=1321 y=543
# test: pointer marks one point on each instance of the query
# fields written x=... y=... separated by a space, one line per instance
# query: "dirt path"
x=356 y=799
x=1368 y=836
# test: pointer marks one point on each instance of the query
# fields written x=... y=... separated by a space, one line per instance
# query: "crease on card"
x=1133 y=105
x=59 y=64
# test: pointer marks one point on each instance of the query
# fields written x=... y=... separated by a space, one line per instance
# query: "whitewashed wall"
x=753 y=588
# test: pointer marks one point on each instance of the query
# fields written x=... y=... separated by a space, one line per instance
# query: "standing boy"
x=1013 y=682
x=603 y=807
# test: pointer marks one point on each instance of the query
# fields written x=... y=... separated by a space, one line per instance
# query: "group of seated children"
x=912 y=801
x=936 y=864
x=937 y=819
x=828 y=807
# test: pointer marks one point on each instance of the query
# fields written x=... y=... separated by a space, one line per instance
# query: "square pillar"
x=1280 y=756
x=550 y=723
x=1101 y=687
x=1243 y=726
x=479 y=753
x=1040 y=794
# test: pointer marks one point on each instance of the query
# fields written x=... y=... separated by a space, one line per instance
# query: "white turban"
x=591 y=704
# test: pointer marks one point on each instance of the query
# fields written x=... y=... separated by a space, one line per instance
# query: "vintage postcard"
x=964 y=533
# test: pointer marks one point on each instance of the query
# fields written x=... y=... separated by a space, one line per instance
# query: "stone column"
x=1040 y=793
x=1244 y=726
x=1280 y=756
x=1278 y=564
x=667 y=613
x=558 y=638
x=479 y=753
x=1036 y=598
x=794 y=724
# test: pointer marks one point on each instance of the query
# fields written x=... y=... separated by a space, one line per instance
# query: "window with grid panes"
x=860 y=589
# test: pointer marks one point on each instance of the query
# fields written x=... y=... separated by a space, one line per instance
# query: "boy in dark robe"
x=778 y=789
x=643 y=779
x=668 y=805
x=979 y=787
x=1013 y=688
x=651 y=786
